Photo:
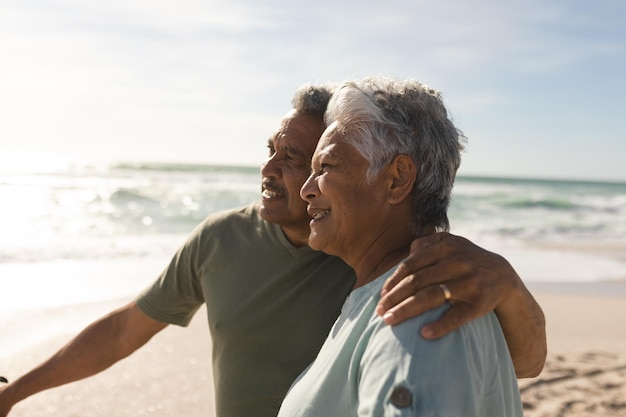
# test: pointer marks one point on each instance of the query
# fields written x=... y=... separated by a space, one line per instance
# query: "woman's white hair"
x=383 y=118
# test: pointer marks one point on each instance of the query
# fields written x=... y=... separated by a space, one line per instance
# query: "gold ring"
x=446 y=291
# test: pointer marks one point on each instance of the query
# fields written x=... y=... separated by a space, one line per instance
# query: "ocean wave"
x=56 y=215
x=126 y=194
x=542 y=204
x=183 y=167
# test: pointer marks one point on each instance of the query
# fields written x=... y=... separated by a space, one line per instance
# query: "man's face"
x=287 y=167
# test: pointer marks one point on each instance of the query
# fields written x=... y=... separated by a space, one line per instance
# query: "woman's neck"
x=371 y=267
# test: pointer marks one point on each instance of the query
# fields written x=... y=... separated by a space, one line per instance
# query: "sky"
x=537 y=86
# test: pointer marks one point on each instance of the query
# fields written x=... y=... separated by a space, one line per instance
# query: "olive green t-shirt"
x=270 y=305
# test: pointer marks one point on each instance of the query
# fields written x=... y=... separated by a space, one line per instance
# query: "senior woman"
x=382 y=174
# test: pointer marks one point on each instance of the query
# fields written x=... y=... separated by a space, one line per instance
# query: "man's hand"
x=479 y=281
x=4 y=405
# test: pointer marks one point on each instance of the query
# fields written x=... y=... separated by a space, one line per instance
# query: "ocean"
x=116 y=216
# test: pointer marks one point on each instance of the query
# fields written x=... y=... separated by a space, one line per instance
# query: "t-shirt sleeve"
x=177 y=293
x=402 y=374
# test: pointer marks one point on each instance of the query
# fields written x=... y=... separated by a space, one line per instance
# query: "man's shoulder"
x=240 y=226
x=246 y=215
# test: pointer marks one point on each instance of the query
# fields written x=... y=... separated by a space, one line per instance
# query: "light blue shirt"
x=366 y=368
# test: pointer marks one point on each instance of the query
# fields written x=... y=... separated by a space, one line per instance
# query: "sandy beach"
x=169 y=376
x=585 y=374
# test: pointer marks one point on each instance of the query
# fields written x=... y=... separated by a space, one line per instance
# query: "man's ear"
x=402 y=171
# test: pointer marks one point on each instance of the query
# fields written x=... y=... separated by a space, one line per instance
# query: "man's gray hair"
x=383 y=118
x=312 y=99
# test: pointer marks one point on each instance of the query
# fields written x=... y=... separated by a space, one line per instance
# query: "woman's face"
x=342 y=205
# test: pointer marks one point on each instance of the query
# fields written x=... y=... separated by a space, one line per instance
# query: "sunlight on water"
x=125 y=211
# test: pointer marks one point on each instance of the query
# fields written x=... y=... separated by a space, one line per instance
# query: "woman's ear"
x=402 y=171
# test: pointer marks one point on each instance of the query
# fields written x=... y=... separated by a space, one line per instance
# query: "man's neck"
x=298 y=237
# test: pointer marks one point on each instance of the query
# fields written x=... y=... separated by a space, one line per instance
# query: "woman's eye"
x=324 y=168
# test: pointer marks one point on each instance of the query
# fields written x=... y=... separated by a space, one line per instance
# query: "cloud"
x=193 y=73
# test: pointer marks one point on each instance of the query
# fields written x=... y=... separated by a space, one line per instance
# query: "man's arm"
x=479 y=281
x=100 y=345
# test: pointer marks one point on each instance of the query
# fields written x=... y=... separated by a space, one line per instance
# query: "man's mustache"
x=271 y=185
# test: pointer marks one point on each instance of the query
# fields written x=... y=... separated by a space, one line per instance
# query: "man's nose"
x=309 y=189
x=270 y=168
